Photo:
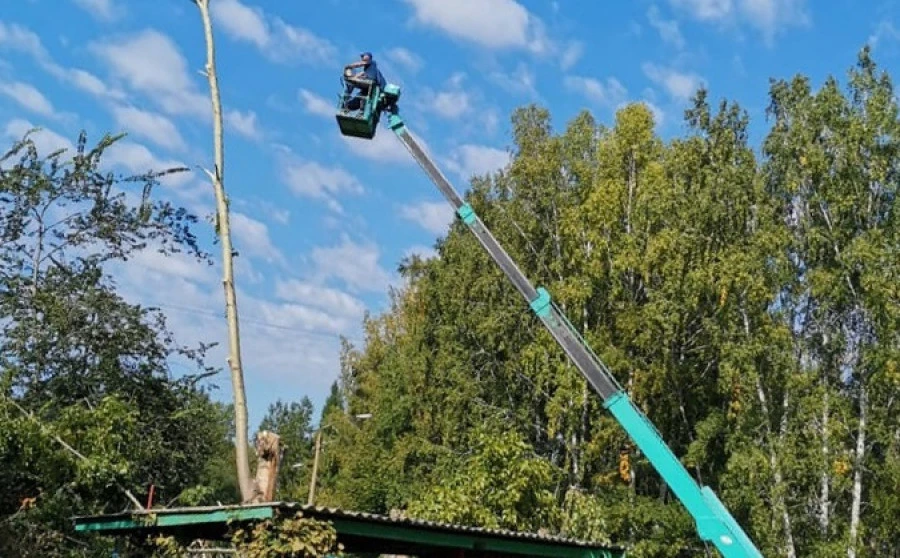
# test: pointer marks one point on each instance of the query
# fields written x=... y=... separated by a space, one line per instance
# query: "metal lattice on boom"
x=359 y=117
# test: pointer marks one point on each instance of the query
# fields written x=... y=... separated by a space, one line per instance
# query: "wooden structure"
x=359 y=533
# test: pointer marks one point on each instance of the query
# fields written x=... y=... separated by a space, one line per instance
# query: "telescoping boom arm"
x=714 y=523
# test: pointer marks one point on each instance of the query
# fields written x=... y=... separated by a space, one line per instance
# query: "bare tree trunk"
x=311 y=499
x=780 y=490
x=36 y=257
x=248 y=491
x=779 y=479
x=824 y=491
x=632 y=183
x=858 y=472
x=585 y=389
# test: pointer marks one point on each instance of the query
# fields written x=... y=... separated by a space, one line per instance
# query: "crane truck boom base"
x=714 y=523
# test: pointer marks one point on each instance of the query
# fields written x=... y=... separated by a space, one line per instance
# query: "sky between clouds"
x=321 y=221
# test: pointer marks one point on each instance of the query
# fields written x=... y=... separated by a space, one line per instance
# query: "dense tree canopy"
x=81 y=366
x=746 y=297
x=746 y=300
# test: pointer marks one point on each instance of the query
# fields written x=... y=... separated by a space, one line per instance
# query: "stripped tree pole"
x=248 y=490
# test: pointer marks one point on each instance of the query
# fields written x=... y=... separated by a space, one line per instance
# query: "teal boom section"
x=466 y=213
x=714 y=523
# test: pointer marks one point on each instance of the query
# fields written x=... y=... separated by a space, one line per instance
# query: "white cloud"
x=106 y=10
x=244 y=123
x=490 y=120
x=301 y=316
x=435 y=217
x=276 y=213
x=315 y=104
x=276 y=39
x=288 y=345
x=87 y=82
x=241 y=21
x=450 y=101
x=355 y=264
x=424 y=252
x=28 y=97
x=521 y=81
x=178 y=267
x=312 y=180
x=477 y=160
x=405 y=58
x=138 y=159
x=333 y=301
x=571 y=55
x=681 y=86
x=488 y=23
x=767 y=16
x=149 y=125
x=383 y=148
x=21 y=39
x=300 y=44
x=610 y=92
x=253 y=237
x=151 y=63
x=884 y=30
x=668 y=29
x=46 y=141
x=705 y=10
x=658 y=114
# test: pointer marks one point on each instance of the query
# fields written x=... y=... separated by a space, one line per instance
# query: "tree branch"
x=69 y=448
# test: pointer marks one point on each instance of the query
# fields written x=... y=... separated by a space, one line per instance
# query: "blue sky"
x=321 y=221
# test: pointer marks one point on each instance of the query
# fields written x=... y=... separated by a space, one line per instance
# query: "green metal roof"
x=357 y=531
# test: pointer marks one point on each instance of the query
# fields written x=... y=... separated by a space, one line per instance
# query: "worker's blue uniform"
x=370 y=71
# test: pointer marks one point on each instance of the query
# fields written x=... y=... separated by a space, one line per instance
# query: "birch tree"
x=748 y=303
x=834 y=163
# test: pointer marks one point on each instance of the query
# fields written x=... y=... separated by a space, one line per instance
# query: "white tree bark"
x=779 y=480
x=248 y=491
x=858 y=472
x=824 y=491
x=780 y=489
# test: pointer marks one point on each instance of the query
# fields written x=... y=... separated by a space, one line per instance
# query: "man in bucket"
x=363 y=80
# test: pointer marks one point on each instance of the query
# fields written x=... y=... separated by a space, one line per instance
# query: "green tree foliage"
x=746 y=301
x=90 y=368
x=834 y=165
x=500 y=484
x=293 y=536
x=334 y=402
x=284 y=536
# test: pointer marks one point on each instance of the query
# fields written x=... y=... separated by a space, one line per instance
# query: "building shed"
x=358 y=533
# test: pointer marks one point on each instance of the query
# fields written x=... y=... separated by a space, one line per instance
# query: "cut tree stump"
x=268 y=453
